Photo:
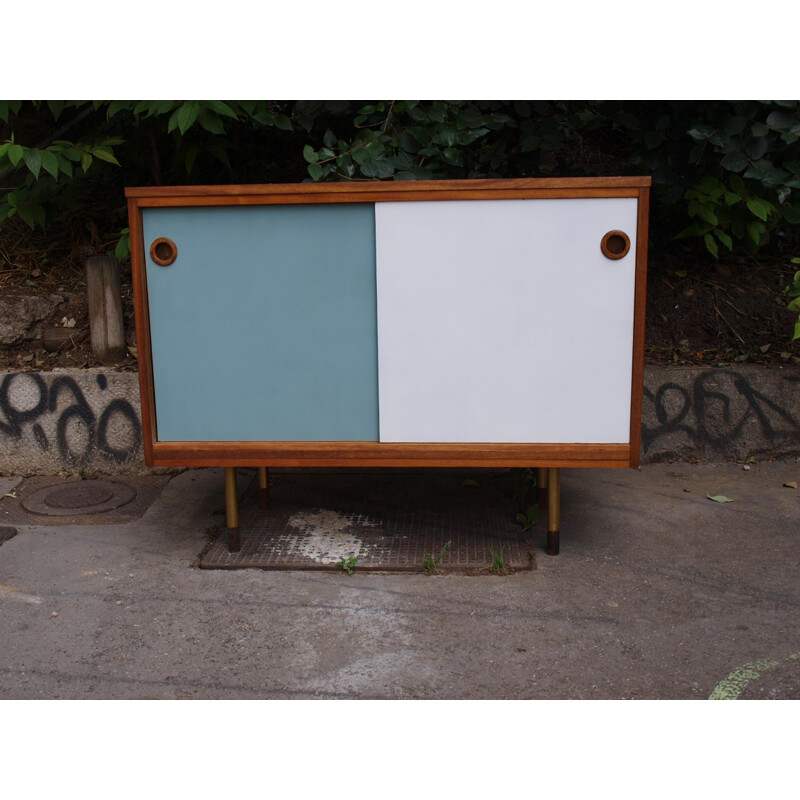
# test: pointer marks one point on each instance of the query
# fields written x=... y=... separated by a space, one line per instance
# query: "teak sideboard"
x=474 y=323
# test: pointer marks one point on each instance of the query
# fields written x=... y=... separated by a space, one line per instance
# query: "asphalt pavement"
x=659 y=592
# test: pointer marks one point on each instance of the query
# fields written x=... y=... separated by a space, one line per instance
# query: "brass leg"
x=263 y=488
x=553 y=510
x=541 y=483
x=232 y=510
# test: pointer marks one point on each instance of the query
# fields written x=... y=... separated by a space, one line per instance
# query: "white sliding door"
x=502 y=321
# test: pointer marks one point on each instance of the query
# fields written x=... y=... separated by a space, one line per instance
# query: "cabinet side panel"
x=264 y=328
x=502 y=321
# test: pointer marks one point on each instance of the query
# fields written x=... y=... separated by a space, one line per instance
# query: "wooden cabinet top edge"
x=376 y=189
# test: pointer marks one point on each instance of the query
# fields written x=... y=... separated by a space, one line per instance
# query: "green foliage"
x=123 y=247
x=529 y=517
x=726 y=173
x=413 y=140
x=45 y=174
x=430 y=562
x=498 y=562
x=521 y=483
x=750 y=163
x=793 y=290
x=348 y=564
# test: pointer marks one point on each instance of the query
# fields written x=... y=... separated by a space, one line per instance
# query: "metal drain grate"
x=387 y=522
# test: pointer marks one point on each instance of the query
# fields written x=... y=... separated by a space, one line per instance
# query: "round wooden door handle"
x=163 y=251
x=615 y=244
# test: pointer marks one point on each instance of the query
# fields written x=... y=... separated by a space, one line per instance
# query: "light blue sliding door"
x=264 y=328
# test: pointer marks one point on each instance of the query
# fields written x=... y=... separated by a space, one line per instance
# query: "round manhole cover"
x=79 y=497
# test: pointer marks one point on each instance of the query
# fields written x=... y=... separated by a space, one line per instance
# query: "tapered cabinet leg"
x=232 y=510
x=553 y=510
x=263 y=488
x=541 y=484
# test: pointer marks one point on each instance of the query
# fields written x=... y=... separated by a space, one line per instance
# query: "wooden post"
x=106 y=325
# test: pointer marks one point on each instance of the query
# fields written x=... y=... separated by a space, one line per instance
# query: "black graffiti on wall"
x=715 y=409
x=50 y=401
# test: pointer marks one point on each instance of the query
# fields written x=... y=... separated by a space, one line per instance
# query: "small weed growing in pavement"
x=498 y=562
x=521 y=483
x=212 y=530
x=529 y=518
x=348 y=564
x=431 y=562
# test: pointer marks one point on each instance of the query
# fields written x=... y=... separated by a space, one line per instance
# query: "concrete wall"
x=721 y=414
x=70 y=420
x=73 y=420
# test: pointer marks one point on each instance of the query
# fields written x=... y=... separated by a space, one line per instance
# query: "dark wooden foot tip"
x=552 y=543
x=234 y=543
x=263 y=499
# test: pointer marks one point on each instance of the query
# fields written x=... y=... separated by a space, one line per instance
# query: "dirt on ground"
x=699 y=313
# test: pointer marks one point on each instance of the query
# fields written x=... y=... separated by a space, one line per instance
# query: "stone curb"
x=90 y=420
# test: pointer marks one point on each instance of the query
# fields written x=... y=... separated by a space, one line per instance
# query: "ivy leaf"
x=116 y=106
x=264 y=118
x=735 y=162
x=719 y=498
x=329 y=139
x=699 y=134
x=696 y=229
x=754 y=230
x=707 y=215
x=221 y=108
x=724 y=238
x=8 y=107
x=186 y=115
x=50 y=162
x=756 y=147
x=65 y=165
x=283 y=123
x=210 y=122
x=315 y=171
x=104 y=155
x=123 y=248
x=759 y=208
x=33 y=160
x=154 y=107
x=310 y=155
x=711 y=245
x=377 y=167
x=15 y=153
x=780 y=120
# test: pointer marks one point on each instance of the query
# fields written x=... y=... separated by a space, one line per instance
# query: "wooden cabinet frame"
x=386 y=454
x=331 y=454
